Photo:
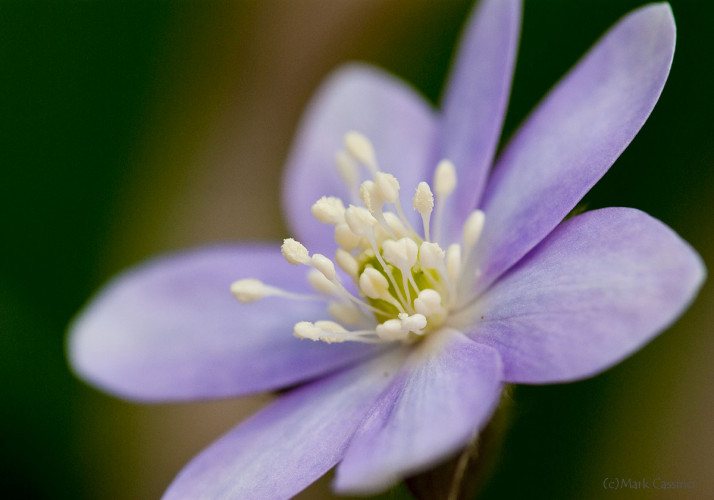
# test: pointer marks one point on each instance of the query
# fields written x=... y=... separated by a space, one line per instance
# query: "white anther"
x=331 y=331
x=324 y=265
x=423 y=203
x=250 y=290
x=330 y=326
x=472 y=230
x=306 y=330
x=431 y=256
x=402 y=253
x=429 y=303
x=360 y=220
x=347 y=262
x=321 y=284
x=395 y=224
x=294 y=252
x=370 y=196
x=345 y=237
x=373 y=284
x=329 y=210
x=326 y=331
x=346 y=313
x=348 y=169
x=361 y=149
x=381 y=233
x=453 y=262
x=444 y=178
x=413 y=323
x=388 y=186
x=391 y=330
x=423 y=200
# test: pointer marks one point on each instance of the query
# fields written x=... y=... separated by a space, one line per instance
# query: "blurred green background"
x=134 y=128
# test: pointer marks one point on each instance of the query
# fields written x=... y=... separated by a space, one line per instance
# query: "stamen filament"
x=402 y=217
x=444 y=185
x=354 y=299
x=424 y=204
x=386 y=268
x=252 y=290
x=361 y=149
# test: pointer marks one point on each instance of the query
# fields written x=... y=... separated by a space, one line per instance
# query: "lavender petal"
x=444 y=395
x=171 y=330
x=475 y=102
x=594 y=291
x=574 y=136
x=285 y=447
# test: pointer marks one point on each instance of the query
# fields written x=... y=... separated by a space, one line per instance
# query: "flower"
x=433 y=309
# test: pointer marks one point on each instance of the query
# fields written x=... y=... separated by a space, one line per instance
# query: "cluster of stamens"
x=406 y=284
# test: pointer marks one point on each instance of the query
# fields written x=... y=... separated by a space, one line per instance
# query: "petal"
x=443 y=396
x=285 y=447
x=171 y=330
x=475 y=102
x=596 y=290
x=574 y=135
x=392 y=115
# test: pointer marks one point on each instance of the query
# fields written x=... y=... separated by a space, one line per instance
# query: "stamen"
x=329 y=210
x=431 y=256
x=398 y=329
x=377 y=240
x=324 y=265
x=387 y=270
x=306 y=330
x=375 y=286
x=320 y=283
x=349 y=172
x=414 y=323
x=252 y=290
x=294 y=252
x=429 y=303
x=327 y=269
x=402 y=217
x=347 y=295
x=373 y=283
x=444 y=185
x=369 y=196
x=423 y=202
x=388 y=187
x=329 y=331
x=361 y=149
x=453 y=261
x=444 y=178
x=345 y=237
x=395 y=225
x=403 y=255
x=347 y=262
x=391 y=331
x=472 y=232
x=360 y=220
x=326 y=331
x=373 y=200
x=346 y=313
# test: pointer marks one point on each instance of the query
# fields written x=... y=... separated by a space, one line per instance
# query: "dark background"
x=130 y=129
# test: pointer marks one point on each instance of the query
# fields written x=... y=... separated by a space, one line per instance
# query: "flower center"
x=406 y=284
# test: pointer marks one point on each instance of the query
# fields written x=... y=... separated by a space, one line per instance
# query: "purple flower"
x=403 y=351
